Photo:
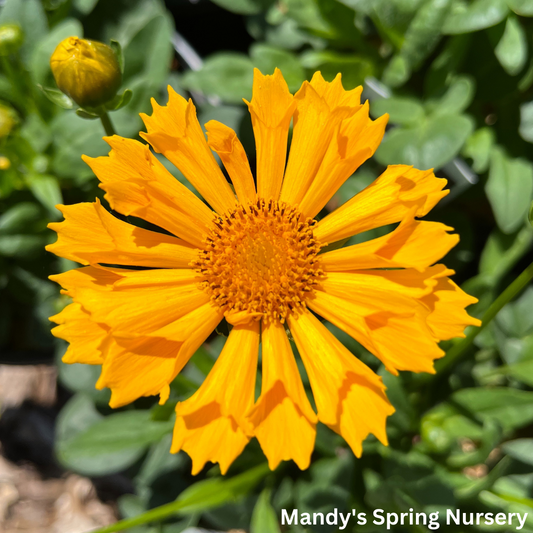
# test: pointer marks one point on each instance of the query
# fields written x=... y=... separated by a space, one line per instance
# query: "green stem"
x=457 y=351
x=106 y=123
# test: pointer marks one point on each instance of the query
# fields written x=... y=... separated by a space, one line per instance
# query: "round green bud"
x=86 y=71
x=11 y=38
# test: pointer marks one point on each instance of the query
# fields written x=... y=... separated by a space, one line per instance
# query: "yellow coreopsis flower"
x=254 y=258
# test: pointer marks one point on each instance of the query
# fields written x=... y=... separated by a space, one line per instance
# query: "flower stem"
x=106 y=123
x=458 y=350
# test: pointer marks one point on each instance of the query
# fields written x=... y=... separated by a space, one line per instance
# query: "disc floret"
x=261 y=258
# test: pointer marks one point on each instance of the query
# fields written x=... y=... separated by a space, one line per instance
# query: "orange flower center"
x=262 y=259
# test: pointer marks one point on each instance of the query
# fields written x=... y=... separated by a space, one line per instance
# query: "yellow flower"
x=87 y=71
x=253 y=258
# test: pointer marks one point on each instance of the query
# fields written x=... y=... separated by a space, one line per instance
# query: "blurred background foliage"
x=456 y=77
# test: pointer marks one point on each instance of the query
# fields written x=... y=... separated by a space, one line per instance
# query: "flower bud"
x=87 y=71
x=7 y=120
x=11 y=38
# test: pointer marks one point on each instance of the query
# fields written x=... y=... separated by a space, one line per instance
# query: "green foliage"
x=456 y=78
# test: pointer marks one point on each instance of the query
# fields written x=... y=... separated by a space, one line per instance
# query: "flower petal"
x=314 y=126
x=447 y=303
x=384 y=323
x=140 y=306
x=174 y=131
x=357 y=140
x=211 y=424
x=136 y=183
x=224 y=141
x=413 y=244
x=90 y=234
x=271 y=109
x=350 y=398
x=144 y=366
x=87 y=339
x=283 y=419
x=385 y=201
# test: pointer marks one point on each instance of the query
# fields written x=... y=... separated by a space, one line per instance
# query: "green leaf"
x=526 y=121
x=87 y=115
x=511 y=50
x=57 y=97
x=117 y=48
x=264 y=518
x=46 y=189
x=521 y=7
x=530 y=214
x=520 y=449
x=522 y=371
x=228 y=75
x=466 y=17
x=244 y=7
x=479 y=147
x=120 y=101
x=266 y=58
x=432 y=144
x=404 y=111
x=40 y=59
x=21 y=246
x=112 y=443
x=516 y=317
x=218 y=491
x=354 y=68
x=456 y=99
x=397 y=72
x=510 y=407
x=85 y=6
x=19 y=217
x=509 y=189
x=424 y=31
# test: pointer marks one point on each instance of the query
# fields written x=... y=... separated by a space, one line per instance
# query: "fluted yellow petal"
x=136 y=183
x=174 y=131
x=224 y=141
x=90 y=234
x=145 y=365
x=447 y=303
x=271 y=108
x=216 y=413
x=315 y=123
x=357 y=140
x=385 y=201
x=413 y=244
x=86 y=338
x=350 y=398
x=384 y=323
x=283 y=419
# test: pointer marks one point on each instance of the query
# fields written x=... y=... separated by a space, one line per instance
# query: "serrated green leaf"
x=511 y=50
x=466 y=17
x=509 y=189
